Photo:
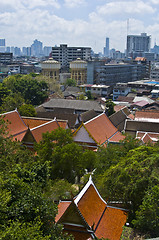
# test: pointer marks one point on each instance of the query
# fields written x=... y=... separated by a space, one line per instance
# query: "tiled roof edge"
x=54 y=120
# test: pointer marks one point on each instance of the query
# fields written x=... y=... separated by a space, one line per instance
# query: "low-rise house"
x=99 y=131
x=118 y=118
x=75 y=106
x=87 y=216
x=120 y=90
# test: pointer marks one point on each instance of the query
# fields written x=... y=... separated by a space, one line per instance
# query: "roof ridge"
x=54 y=120
x=8 y=112
x=95 y=118
x=20 y=117
x=85 y=188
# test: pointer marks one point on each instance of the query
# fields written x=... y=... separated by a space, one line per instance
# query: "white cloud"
x=154 y=2
x=122 y=7
x=74 y=3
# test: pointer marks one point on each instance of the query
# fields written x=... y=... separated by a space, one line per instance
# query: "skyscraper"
x=138 y=44
x=106 y=48
x=37 y=48
x=2 y=45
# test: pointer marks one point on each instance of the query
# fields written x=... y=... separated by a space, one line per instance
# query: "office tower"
x=7 y=49
x=47 y=51
x=2 y=45
x=65 y=54
x=106 y=48
x=138 y=44
x=37 y=48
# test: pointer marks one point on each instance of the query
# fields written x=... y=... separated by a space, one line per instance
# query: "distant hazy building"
x=47 y=50
x=37 y=48
x=106 y=48
x=137 y=44
x=79 y=71
x=65 y=54
x=2 y=45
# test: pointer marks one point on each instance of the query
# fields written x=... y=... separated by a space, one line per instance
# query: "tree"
x=147 y=217
x=130 y=178
x=33 y=91
x=11 y=102
x=89 y=95
x=27 y=110
x=70 y=82
x=109 y=107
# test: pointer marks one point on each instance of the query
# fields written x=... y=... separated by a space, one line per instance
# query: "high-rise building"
x=106 y=48
x=37 y=48
x=137 y=44
x=2 y=45
x=65 y=54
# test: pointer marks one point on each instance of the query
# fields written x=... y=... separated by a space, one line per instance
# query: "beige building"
x=51 y=69
x=79 y=71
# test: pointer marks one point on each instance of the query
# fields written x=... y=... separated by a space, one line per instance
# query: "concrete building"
x=137 y=44
x=110 y=74
x=65 y=54
x=99 y=90
x=6 y=58
x=79 y=71
x=51 y=69
x=120 y=89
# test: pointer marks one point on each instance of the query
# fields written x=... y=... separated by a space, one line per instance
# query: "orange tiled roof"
x=15 y=123
x=147 y=114
x=117 y=137
x=62 y=123
x=111 y=223
x=101 y=128
x=34 y=122
x=106 y=221
x=79 y=233
x=47 y=127
x=146 y=137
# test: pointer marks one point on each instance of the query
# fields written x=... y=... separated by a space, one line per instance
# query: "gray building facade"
x=65 y=54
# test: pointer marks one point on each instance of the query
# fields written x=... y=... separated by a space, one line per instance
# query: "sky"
x=78 y=22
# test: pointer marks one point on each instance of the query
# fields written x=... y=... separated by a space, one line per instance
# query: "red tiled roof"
x=47 y=127
x=101 y=128
x=15 y=123
x=148 y=137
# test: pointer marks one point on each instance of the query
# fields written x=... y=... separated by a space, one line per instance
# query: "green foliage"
x=147 y=217
x=70 y=82
x=62 y=189
x=11 y=102
x=27 y=110
x=89 y=95
x=109 y=107
x=67 y=159
x=129 y=179
x=33 y=91
x=81 y=96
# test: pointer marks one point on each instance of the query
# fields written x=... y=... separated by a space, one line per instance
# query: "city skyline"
x=77 y=22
